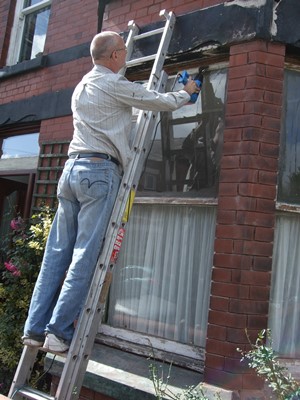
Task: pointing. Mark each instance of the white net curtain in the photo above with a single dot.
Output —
(161, 283)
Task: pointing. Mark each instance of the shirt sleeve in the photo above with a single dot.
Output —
(136, 95)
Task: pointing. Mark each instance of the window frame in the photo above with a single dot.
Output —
(16, 37)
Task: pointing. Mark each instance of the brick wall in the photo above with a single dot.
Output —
(7, 14)
(246, 211)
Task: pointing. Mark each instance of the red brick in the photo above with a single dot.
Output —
(241, 306)
(229, 161)
(252, 381)
(223, 379)
(257, 322)
(255, 219)
(267, 178)
(266, 206)
(236, 96)
(266, 58)
(223, 245)
(241, 148)
(256, 107)
(219, 303)
(235, 232)
(262, 264)
(216, 332)
(259, 293)
(264, 234)
(227, 319)
(225, 216)
(259, 162)
(236, 366)
(235, 261)
(243, 121)
(214, 361)
(257, 190)
(247, 47)
(221, 348)
(230, 189)
(241, 175)
(255, 278)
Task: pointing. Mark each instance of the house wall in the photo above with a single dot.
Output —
(246, 205)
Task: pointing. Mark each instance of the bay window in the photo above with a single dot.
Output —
(161, 283)
(284, 320)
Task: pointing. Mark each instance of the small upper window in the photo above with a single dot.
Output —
(29, 30)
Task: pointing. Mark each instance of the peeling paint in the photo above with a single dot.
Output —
(246, 3)
(274, 24)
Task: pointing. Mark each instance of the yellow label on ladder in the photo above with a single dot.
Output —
(128, 207)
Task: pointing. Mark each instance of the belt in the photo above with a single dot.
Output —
(98, 155)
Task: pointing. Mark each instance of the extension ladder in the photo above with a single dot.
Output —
(78, 355)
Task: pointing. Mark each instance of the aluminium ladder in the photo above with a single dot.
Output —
(82, 343)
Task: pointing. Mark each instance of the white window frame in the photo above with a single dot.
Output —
(18, 28)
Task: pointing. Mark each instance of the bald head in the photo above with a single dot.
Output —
(103, 44)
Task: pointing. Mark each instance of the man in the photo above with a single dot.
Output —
(102, 117)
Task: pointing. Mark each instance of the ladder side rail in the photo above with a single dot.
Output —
(83, 341)
(22, 375)
(165, 40)
(133, 32)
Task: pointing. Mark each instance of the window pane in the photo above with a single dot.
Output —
(162, 279)
(34, 36)
(284, 320)
(289, 174)
(186, 151)
(21, 146)
(28, 3)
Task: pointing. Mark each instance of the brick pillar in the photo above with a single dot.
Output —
(246, 211)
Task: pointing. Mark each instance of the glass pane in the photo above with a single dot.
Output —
(34, 36)
(185, 155)
(289, 174)
(284, 311)
(162, 279)
(28, 3)
(21, 146)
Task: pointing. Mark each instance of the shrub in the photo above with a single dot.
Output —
(21, 253)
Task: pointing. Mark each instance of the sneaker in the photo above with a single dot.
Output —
(28, 341)
(54, 344)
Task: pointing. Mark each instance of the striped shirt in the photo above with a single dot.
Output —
(102, 105)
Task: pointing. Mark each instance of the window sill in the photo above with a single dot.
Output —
(23, 67)
(121, 375)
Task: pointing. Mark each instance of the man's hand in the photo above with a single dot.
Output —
(191, 87)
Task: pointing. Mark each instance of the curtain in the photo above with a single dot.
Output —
(284, 312)
(161, 283)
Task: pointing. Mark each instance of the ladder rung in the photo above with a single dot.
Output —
(139, 60)
(149, 33)
(34, 394)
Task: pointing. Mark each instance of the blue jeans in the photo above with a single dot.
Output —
(86, 192)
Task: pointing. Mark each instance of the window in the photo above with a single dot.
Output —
(289, 174)
(161, 284)
(186, 151)
(29, 30)
(284, 311)
(20, 146)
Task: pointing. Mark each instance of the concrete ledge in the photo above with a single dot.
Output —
(118, 374)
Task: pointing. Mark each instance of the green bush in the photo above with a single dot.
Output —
(21, 255)
(263, 360)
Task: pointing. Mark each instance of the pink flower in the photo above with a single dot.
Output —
(17, 224)
(12, 268)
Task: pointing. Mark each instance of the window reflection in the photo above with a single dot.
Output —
(35, 29)
(20, 146)
(289, 174)
(185, 156)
